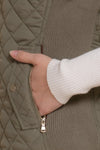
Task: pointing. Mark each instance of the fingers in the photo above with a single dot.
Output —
(24, 57)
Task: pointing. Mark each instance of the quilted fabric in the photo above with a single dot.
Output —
(21, 27)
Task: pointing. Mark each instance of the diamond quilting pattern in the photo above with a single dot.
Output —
(20, 26)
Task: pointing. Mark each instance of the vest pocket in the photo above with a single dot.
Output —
(44, 117)
(26, 115)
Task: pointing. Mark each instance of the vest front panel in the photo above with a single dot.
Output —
(21, 27)
(67, 31)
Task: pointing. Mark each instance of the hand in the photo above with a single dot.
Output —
(44, 99)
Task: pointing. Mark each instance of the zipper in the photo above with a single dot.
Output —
(44, 117)
(42, 121)
(43, 124)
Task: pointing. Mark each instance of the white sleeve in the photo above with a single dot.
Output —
(68, 77)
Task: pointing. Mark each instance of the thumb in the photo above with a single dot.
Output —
(23, 56)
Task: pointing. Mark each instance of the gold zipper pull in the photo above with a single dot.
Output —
(43, 124)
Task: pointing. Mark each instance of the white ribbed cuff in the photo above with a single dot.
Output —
(68, 77)
(56, 81)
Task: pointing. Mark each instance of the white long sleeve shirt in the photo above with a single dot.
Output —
(68, 77)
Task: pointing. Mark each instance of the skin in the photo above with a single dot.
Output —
(45, 101)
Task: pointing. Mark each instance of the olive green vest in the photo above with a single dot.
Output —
(59, 29)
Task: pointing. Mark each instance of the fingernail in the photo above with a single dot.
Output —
(13, 53)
